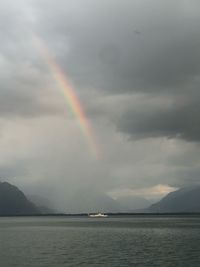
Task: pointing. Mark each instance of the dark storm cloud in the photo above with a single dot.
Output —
(106, 52)
(150, 47)
(135, 65)
(175, 122)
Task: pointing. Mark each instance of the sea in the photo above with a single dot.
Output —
(139, 240)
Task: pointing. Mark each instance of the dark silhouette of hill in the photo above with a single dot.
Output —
(14, 202)
(182, 200)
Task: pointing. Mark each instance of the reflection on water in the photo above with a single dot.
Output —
(114, 241)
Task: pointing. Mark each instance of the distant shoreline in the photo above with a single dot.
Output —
(109, 214)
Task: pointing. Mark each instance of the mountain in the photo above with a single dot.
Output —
(182, 200)
(132, 203)
(89, 201)
(14, 202)
(86, 201)
(44, 205)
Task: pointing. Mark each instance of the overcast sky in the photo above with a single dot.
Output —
(135, 66)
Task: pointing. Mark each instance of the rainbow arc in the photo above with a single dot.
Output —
(70, 95)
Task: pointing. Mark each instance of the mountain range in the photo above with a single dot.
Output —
(14, 202)
(182, 200)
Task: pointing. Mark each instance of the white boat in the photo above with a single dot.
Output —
(98, 215)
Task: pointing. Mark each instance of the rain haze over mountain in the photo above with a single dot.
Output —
(135, 67)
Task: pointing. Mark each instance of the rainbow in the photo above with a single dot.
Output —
(70, 96)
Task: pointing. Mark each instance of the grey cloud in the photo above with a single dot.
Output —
(18, 102)
(136, 67)
(23, 80)
(105, 52)
(97, 45)
(175, 122)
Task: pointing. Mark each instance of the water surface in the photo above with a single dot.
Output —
(113, 241)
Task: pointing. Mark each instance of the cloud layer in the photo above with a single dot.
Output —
(135, 66)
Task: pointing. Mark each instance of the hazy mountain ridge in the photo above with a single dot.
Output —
(14, 202)
(43, 204)
(182, 200)
(132, 203)
(85, 201)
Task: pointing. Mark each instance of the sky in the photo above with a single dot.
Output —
(134, 68)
